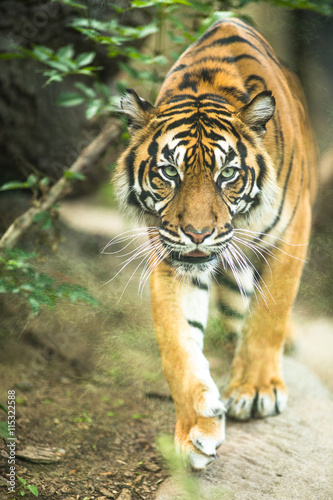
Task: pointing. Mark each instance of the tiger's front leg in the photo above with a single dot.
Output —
(256, 388)
(180, 315)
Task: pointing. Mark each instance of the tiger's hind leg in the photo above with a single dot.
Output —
(180, 315)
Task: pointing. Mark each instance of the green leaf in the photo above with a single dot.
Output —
(46, 224)
(45, 181)
(215, 16)
(103, 89)
(88, 91)
(23, 481)
(42, 298)
(4, 434)
(93, 108)
(32, 180)
(12, 55)
(41, 216)
(3, 408)
(77, 176)
(62, 66)
(74, 293)
(66, 52)
(139, 4)
(69, 99)
(85, 58)
(176, 38)
(14, 185)
(72, 3)
(34, 304)
(27, 287)
(42, 53)
(88, 70)
(33, 490)
(54, 77)
(47, 401)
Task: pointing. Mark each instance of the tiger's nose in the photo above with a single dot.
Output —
(197, 236)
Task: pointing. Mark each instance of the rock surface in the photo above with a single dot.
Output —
(286, 457)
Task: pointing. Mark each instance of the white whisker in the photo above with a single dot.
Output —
(137, 267)
(256, 276)
(131, 234)
(259, 235)
(256, 251)
(230, 261)
(140, 247)
(160, 254)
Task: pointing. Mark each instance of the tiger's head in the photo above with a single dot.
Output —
(195, 169)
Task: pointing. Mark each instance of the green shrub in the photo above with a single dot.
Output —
(20, 275)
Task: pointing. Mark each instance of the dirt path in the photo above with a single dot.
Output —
(78, 394)
(88, 381)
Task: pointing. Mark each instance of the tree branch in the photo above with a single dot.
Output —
(63, 186)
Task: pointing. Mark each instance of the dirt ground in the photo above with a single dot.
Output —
(88, 382)
(84, 380)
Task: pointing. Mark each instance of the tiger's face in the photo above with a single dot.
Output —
(196, 174)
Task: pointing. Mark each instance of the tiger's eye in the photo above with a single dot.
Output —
(170, 171)
(228, 172)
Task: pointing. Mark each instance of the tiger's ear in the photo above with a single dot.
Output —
(137, 110)
(258, 112)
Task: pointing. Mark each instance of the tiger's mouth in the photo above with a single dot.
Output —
(194, 257)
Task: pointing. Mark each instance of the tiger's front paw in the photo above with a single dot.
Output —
(198, 439)
(245, 401)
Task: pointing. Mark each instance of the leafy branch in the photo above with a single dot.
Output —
(62, 62)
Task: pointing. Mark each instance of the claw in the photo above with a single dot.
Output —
(247, 402)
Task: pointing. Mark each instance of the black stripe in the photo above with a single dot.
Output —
(285, 187)
(298, 199)
(196, 324)
(256, 79)
(212, 97)
(199, 284)
(189, 81)
(234, 59)
(209, 33)
(178, 110)
(178, 68)
(229, 311)
(281, 149)
(222, 60)
(234, 39)
(251, 31)
(225, 281)
(171, 233)
(178, 123)
(235, 92)
(129, 161)
(262, 170)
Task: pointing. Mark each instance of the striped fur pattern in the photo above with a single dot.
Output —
(221, 170)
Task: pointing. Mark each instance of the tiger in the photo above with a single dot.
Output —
(222, 170)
